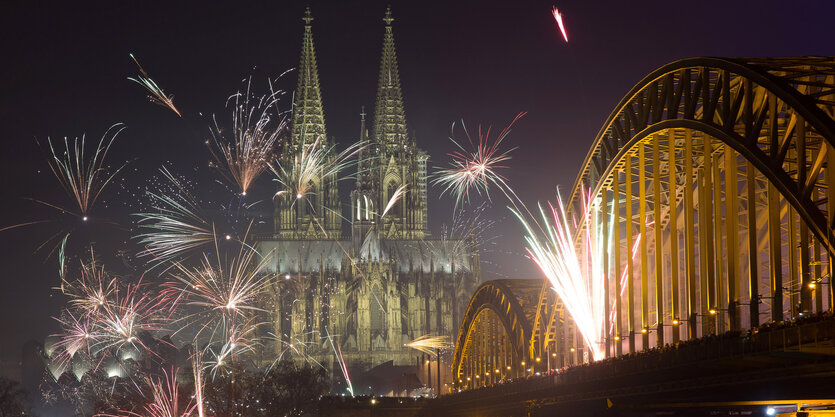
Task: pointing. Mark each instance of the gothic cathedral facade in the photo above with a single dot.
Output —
(366, 294)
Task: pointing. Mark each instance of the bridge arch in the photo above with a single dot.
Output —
(512, 327)
(753, 140)
(714, 182)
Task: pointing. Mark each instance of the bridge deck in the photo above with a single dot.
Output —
(774, 363)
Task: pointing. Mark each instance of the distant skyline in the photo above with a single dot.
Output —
(65, 69)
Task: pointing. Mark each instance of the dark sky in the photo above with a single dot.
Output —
(64, 68)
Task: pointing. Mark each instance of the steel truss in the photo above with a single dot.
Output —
(714, 172)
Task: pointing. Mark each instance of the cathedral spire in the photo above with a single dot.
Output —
(389, 117)
(308, 114)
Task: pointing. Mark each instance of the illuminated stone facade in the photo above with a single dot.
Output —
(389, 281)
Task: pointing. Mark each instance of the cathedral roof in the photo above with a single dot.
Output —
(309, 256)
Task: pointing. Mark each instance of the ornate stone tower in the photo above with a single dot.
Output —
(317, 214)
(367, 295)
(396, 159)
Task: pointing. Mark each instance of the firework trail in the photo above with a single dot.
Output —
(245, 156)
(558, 19)
(314, 161)
(430, 344)
(177, 227)
(62, 261)
(197, 371)
(337, 351)
(476, 166)
(83, 178)
(157, 95)
(395, 197)
(579, 279)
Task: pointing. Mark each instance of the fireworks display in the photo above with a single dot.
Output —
(578, 278)
(194, 281)
(430, 344)
(83, 177)
(157, 95)
(476, 166)
(560, 24)
(223, 292)
(314, 161)
(176, 227)
(395, 197)
(248, 153)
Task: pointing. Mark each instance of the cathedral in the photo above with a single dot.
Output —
(365, 294)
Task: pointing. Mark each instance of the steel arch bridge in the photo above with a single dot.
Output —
(712, 181)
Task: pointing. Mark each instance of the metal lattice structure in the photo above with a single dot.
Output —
(511, 328)
(712, 178)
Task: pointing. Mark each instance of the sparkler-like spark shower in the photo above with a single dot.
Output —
(157, 96)
(244, 157)
(430, 344)
(576, 275)
(83, 178)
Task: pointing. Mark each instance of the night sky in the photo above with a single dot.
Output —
(64, 69)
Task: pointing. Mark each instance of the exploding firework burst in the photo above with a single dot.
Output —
(575, 272)
(91, 293)
(244, 157)
(157, 96)
(477, 165)
(131, 311)
(224, 293)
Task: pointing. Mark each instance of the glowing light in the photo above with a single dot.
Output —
(558, 18)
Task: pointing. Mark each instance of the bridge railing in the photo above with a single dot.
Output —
(788, 337)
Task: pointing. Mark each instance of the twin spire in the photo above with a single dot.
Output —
(308, 121)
